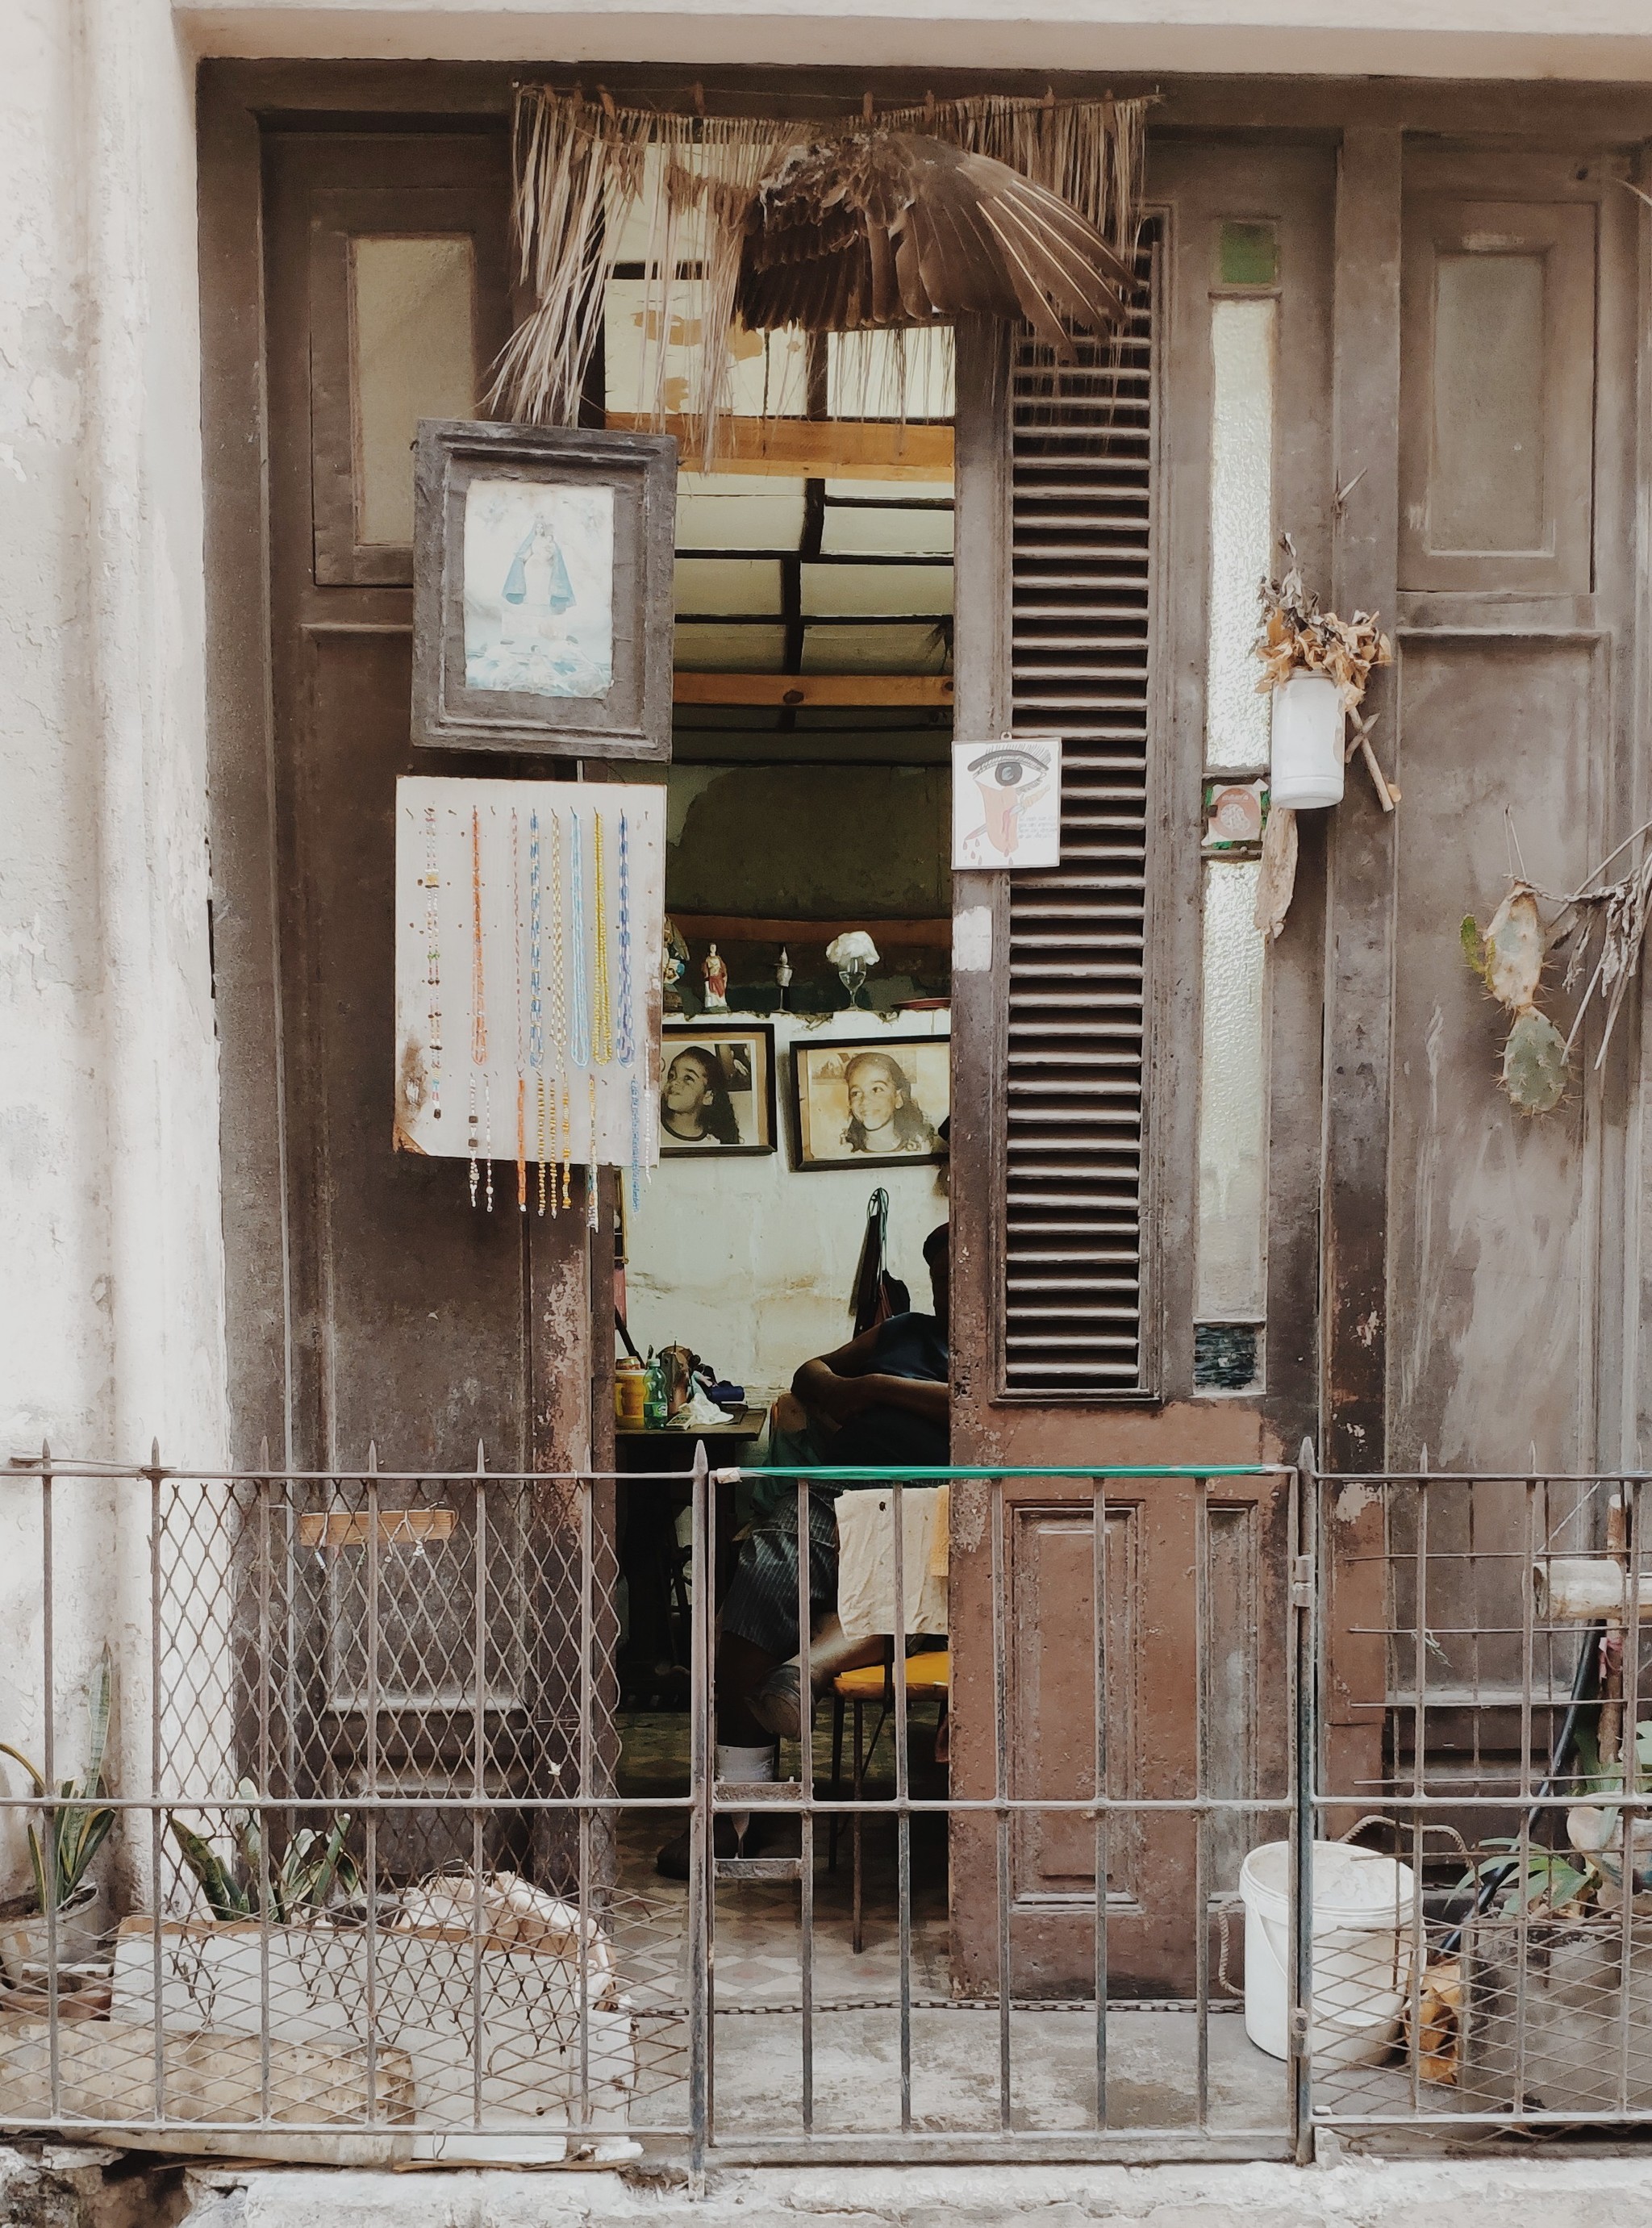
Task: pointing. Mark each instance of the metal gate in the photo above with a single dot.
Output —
(393, 1832)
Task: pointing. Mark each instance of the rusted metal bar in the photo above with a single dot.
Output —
(701, 1762)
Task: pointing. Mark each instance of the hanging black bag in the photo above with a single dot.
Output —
(877, 1295)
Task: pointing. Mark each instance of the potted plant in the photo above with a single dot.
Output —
(1551, 1967)
(61, 1859)
(300, 1880)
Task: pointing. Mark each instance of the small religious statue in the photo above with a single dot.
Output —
(783, 976)
(674, 965)
(715, 971)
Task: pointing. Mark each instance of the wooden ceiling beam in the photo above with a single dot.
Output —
(791, 688)
(826, 448)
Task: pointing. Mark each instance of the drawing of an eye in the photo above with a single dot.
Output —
(1010, 765)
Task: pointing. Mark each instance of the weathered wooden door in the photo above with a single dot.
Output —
(1137, 1095)
(407, 1322)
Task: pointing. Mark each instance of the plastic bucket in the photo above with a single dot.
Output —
(1306, 754)
(1361, 1937)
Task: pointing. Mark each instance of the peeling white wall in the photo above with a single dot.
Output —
(110, 1315)
(1610, 39)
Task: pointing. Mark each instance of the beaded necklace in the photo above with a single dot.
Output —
(516, 959)
(433, 963)
(536, 1004)
(602, 1049)
(626, 1041)
(578, 974)
(559, 1009)
(478, 1015)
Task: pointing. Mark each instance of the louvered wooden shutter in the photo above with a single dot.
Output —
(1081, 444)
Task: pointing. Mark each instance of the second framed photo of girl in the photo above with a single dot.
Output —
(717, 1095)
(871, 1105)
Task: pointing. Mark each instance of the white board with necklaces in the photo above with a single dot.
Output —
(529, 923)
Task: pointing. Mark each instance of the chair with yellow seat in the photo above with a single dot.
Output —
(928, 1673)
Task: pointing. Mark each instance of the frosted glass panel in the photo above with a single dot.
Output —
(1241, 528)
(1232, 1099)
(412, 339)
(1486, 485)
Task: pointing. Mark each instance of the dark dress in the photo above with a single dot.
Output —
(762, 1602)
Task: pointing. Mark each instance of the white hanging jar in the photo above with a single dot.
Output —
(1306, 754)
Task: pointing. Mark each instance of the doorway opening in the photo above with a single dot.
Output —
(803, 1114)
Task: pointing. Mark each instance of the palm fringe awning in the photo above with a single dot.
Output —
(873, 223)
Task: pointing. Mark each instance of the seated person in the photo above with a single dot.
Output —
(881, 1401)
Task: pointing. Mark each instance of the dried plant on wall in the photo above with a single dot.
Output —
(1510, 957)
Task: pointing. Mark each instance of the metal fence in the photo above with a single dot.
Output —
(385, 1761)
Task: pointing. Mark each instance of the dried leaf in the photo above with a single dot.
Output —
(1276, 881)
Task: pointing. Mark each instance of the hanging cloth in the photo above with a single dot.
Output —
(877, 1295)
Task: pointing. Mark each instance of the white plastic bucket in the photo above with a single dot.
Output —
(1362, 1936)
(1306, 754)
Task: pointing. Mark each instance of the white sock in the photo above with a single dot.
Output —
(744, 1766)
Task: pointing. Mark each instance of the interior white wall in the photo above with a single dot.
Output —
(110, 1318)
(749, 1260)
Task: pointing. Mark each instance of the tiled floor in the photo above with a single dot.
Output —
(1153, 2057)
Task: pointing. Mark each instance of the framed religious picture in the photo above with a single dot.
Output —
(543, 589)
(871, 1105)
(716, 1088)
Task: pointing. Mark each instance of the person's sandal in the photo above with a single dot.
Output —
(777, 1703)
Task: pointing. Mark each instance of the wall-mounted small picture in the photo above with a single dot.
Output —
(543, 589)
(1007, 802)
(871, 1105)
(717, 1089)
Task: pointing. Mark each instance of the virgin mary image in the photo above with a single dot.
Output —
(539, 567)
(537, 587)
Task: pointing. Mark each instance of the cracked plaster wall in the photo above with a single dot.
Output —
(109, 1287)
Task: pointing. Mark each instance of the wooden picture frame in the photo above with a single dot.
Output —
(916, 1097)
(543, 589)
(744, 1052)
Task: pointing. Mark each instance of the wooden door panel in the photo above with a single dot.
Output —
(415, 1319)
(1196, 1676)
(417, 1325)
(1197, 1624)
(1489, 1250)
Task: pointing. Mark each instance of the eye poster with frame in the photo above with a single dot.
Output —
(543, 589)
(1007, 802)
(876, 1103)
(716, 1089)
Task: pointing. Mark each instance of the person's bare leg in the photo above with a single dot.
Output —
(831, 1650)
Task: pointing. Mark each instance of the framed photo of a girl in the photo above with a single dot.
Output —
(871, 1105)
(716, 1089)
(542, 604)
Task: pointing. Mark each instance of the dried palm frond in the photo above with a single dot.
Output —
(582, 168)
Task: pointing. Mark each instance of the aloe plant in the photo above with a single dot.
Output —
(308, 1870)
(82, 1822)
